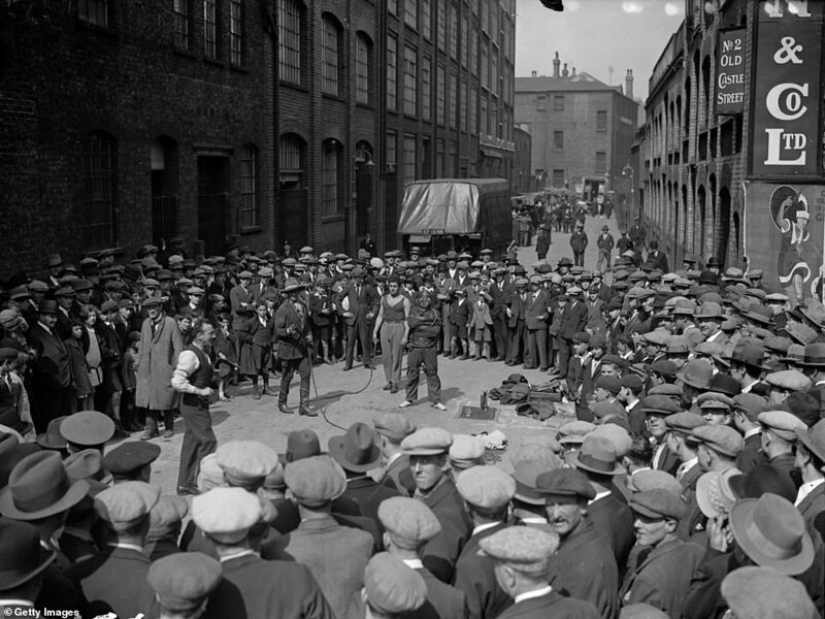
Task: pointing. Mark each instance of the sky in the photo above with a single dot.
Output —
(594, 35)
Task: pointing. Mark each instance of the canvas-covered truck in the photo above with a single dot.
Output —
(443, 214)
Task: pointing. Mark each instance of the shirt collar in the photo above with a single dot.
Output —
(125, 546)
(536, 593)
(484, 527)
(393, 458)
(806, 489)
(239, 554)
(599, 495)
(752, 432)
(415, 564)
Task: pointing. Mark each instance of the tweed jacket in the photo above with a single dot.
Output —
(441, 552)
(475, 576)
(551, 605)
(155, 361)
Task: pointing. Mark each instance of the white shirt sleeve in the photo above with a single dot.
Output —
(187, 365)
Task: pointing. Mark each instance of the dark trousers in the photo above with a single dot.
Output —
(198, 438)
(428, 357)
(537, 347)
(50, 404)
(290, 366)
(578, 258)
(360, 330)
(517, 342)
(500, 335)
(565, 348)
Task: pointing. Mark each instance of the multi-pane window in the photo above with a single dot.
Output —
(410, 80)
(558, 103)
(330, 178)
(289, 40)
(97, 220)
(484, 114)
(494, 71)
(210, 28)
(494, 8)
(452, 99)
(236, 32)
(473, 50)
(411, 13)
(484, 14)
(183, 28)
(409, 158)
(250, 208)
(427, 19)
(601, 120)
(439, 158)
(362, 69)
(558, 178)
(392, 147)
(462, 107)
(426, 88)
(95, 12)
(484, 69)
(392, 72)
(454, 32)
(473, 111)
(440, 93)
(392, 7)
(495, 129)
(601, 162)
(330, 61)
(290, 153)
(558, 140)
(464, 34)
(441, 25)
(541, 103)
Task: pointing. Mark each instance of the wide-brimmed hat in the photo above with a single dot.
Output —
(356, 450)
(714, 494)
(21, 558)
(748, 352)
(293, 285)
(771, 531)
(814, 356)
(814, 438)
(597, 455)
(697, 373)
(52, 438)
(39, 487)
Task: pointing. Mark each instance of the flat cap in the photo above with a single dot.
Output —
(246, 462)
(723, 439)
(183, 580)
(568, 482)
(466, 450)
(660, 405)
(790, 380)
(781, 423)
(750, 402)
(486, 487)
(574, 431)
(130, 457)
(658, 503)
(87, 428)
(617, 435)
(123, 505)
(168, 513)
(612, 384)
(528, 548)
(409, 521)
(152, 301)
(652, 479)
(226, 514)
(607, 408)
(764, 593)
(393, 587)
(394, 426)
(427, 442)
(315, 481)
(685, 422)
(642, 611)
(714, 400)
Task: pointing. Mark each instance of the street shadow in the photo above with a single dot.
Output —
(218, 416)
(451, 393)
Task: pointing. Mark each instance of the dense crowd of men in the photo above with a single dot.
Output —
(686, 481)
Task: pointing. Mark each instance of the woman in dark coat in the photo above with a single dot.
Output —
(256, 335)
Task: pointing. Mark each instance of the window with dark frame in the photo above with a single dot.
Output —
(601, 121)
(183, 26)
(330, 37)
(290, 18)
(97, 206)
(427, 19)
(250, 205)
(362, 69)
(210, 28)
(236, 43)
(558, 178)
(411, 13)
(330, 178)
(558, 103)
(601, 162)
(440, 94)
(392, 72)
(558, 140)
(95, 12)
(410, 80)
(426, 88)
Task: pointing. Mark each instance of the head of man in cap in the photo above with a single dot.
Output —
(246, 464)
(428, 449)
(763, 593)
(226, 516)
(125, 510)
(657, 513)
(810, 454)
(779, 438)
(717, 447)
(131, 461)
(182, 583)
(408, 525)
(566, 493)
(22, 562)
(391, 588)
(487, 492)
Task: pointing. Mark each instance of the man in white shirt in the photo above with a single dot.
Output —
(810, 460)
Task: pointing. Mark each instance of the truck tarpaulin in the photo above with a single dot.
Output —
(440, 208)
(785, 235)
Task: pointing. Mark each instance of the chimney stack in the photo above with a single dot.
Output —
(556, 65)
(628, 84)
(565, 72)
(534, 73)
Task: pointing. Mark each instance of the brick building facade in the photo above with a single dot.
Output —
(582, 129)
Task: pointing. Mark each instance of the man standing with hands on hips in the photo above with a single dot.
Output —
(192, 378)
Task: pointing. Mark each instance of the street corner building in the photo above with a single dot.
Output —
(731, 152)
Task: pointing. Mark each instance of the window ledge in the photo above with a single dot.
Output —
(326, 95)
(214, 61)
(329, 219)
(239, 68)
(107, 31)
(365, 106)
(251, 229)
(180, 51)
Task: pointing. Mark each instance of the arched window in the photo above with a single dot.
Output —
(97, 204)
(290, 40)
(292, 152)
(363, 58)
(331, 56)
(250, 204)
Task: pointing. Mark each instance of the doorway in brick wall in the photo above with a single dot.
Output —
(164, 165)
(213, 203)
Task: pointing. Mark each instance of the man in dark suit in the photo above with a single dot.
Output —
(746, 409)
(409, 525)
(392, 428)
(52, 376)
(536, 323)
(573, 320)
(428, 450)
(516, 310)
(522, 557)
(294, 344)
(252, 587)
(359, 305)
(500, 290)
(124, 510)
(658, 258)
(241, 296)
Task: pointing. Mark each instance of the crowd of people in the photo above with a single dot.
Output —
(690, 482)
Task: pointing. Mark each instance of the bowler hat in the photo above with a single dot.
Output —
(21, 558)
(748, 352)
(356, 450)
(39, 487)
(301, 444)
(48, 306)
(814, 356)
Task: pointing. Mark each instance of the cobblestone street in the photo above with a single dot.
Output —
(462, 382)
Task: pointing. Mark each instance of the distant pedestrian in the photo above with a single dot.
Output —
(606, 243)
(578, 243)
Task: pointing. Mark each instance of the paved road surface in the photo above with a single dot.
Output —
(462, 382)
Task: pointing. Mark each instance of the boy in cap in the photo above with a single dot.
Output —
(487, 492)
(182, 583)
(522, 557)
(662, 578)
(409, 525)
(428, 451)
(268, 588)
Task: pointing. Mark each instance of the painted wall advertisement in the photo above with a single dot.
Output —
(787, 91)
(785, 235)
(730, 72)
